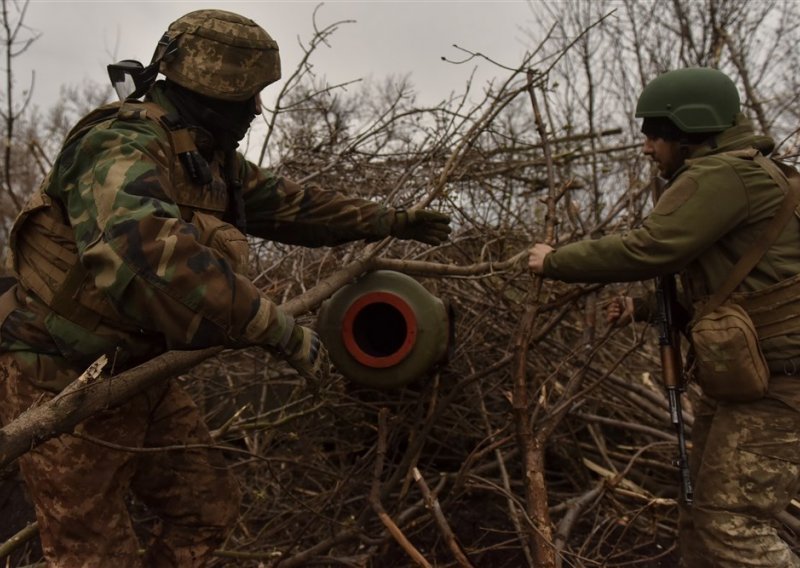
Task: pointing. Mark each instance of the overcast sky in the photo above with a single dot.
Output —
(401, 37)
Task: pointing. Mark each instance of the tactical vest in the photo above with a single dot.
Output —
(43, 253)
(774, 310)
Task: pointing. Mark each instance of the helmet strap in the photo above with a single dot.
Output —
(129, 71)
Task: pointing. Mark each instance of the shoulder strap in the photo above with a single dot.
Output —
(789, 182)
(183, 145)
(178, 133)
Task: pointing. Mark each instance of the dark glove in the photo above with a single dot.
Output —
(422, 225)
(307, 354)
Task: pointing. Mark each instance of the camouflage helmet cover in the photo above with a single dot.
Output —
(221, 55)
(695, 99)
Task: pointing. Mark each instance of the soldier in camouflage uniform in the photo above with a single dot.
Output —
(745, 457)
(135, 245)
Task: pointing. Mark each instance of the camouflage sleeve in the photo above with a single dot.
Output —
(147, 260)
(691, 215)
(283, 211)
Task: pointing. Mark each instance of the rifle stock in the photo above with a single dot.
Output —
(672, 365)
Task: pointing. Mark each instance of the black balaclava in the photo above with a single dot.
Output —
(227, 121)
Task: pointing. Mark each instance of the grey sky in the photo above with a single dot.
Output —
(387, 38)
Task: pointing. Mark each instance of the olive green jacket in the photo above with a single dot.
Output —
(709, 214)
(707, 217)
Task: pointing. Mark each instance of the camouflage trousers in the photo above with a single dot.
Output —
(80, 488)
(745, 464)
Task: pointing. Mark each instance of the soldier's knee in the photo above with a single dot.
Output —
(731, 540)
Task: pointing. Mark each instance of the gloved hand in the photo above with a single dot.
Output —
(307, 354)
(422, 225)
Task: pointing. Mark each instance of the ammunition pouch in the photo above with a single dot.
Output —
(754, 335)
(728, 362)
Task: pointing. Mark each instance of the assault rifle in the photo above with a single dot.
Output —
(671, 364)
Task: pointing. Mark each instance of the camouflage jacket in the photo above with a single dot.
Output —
(152, 264)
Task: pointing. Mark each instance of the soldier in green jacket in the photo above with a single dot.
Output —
(745, 457)
(134, 245)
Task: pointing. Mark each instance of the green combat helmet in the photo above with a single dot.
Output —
(219, 54)
(696, 99)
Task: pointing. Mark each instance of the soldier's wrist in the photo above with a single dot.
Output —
(271, 327)
(547, 264)
(399, 221)
(294, 341)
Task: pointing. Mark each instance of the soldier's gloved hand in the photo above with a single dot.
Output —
(424, 225)
(307, 354)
